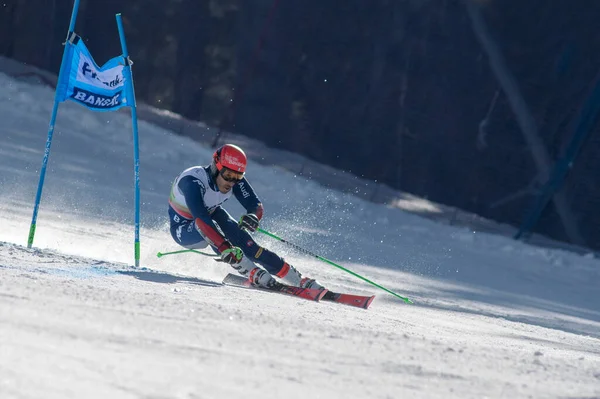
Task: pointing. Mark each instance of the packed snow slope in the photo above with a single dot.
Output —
(492, 317)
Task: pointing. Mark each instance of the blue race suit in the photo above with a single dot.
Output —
(197, 218)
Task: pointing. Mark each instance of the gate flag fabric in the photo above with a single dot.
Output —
(83, 81)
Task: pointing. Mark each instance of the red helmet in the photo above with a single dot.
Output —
(231, 157)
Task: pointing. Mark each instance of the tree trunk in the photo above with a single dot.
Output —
(7, 29)
(192, 39)
(523, 117)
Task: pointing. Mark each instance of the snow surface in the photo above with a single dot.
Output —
(493, 318)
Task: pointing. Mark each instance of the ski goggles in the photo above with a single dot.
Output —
(230, 176)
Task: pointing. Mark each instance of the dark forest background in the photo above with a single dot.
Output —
(398, 91)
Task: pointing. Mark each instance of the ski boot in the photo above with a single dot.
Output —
(261, 278)
(255, 274)
(291, 276)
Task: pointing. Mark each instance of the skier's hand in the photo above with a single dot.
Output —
(232, 255)
(249, 222)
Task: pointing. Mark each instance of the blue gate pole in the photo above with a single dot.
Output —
(130, 94)
(584, 125)
(38, 196)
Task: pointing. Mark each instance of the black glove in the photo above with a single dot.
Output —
(230, 254)
(249, 222)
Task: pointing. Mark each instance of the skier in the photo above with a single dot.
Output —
(198, 220)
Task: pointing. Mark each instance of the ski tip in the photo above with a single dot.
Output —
(369, 301)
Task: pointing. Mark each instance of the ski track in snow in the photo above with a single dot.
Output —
(492, 318)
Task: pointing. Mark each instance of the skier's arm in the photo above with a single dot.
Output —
(193, 190)
(245, 194)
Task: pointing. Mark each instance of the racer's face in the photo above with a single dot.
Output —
(228, 178)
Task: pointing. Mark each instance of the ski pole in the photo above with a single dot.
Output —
(160, 254)
(333, 264)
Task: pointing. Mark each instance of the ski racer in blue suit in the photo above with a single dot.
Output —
(198, 219)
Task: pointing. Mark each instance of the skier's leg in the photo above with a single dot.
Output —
(240, 238)
(184, 232)
(272, 262)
